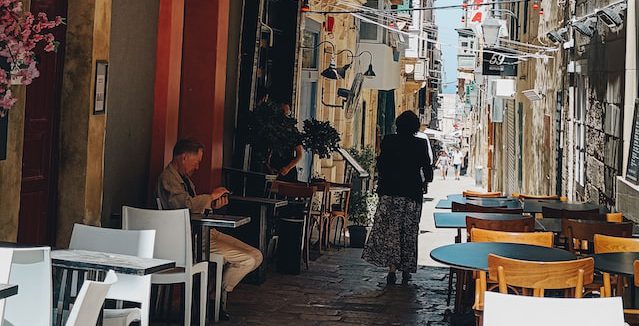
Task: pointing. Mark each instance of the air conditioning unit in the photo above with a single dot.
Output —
(532, 95)
(504, 88)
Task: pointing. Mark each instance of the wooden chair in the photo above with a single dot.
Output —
(499, 209)
(524, 224)
(539, 276)
(614, 217)
(478, 194)
(590, 214)
(634, 312)
(580, 233)
(304, 194)
(540, 197)
(606, 292)
(339, 212)
(543, 239)
(461, 207)
(607, 244)
(533, 275)
(320, 212)
(549, 212)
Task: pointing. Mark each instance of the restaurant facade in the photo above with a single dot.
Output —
(188, 68)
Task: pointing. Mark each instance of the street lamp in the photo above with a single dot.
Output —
(369, 72)
(490, 29)
(330, 72)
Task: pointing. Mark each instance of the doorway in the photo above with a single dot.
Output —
(39, 162)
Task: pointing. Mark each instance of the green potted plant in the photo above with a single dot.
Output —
(269, 131)
(319, 138)
(361, 209)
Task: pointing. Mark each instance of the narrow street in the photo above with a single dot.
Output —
(341, 289)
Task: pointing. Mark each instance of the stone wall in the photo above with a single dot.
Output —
(602, 60)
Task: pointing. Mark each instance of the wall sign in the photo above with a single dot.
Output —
(632, 172)
(100, 91)
(496, 63)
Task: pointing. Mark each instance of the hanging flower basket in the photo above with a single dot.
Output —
(20, 33)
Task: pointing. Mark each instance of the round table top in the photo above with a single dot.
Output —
(474, 255)
(616, 262)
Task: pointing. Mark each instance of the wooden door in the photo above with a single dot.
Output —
(39, 170)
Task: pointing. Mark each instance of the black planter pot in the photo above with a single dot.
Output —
(357, 235)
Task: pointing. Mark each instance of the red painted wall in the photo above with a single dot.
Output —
(203, 84)
(190, 84)
(167, 87)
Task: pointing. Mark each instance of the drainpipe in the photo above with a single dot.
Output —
(631, 79)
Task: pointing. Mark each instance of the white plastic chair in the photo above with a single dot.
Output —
(219, 270)
(507, 310)
(132, 288)
(89, 302)
(6, 254)
(173, 234)
(31, 271)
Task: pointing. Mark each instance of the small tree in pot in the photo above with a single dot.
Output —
(319, 138)
(361, 209)
(269, 131)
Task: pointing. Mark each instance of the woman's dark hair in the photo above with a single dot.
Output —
(188, 145)
(407, 123)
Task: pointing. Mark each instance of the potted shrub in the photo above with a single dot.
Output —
(319, 138)
(361, 210)
(269, 131)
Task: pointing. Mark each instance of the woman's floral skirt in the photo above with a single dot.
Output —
(393, 239)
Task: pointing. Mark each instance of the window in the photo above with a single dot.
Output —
(310, 52)
(369, 31)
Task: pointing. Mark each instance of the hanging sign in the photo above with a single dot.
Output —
(495, 62)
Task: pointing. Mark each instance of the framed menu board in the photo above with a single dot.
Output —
(632, 173)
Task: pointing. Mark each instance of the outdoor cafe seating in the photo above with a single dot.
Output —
(519, 253)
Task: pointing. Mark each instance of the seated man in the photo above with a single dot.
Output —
(176, 190)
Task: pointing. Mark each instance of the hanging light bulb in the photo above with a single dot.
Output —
(541, 12)
(463, 20)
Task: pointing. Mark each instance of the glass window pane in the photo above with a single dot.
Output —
(309, 52)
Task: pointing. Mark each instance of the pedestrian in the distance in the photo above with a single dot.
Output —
(458, 162)
(393, 239)
(442, 163)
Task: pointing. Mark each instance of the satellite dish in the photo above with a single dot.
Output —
(351, 97)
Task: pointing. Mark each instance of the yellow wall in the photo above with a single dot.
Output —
(82, 133)
(11, 170)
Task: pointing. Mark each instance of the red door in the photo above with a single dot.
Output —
(39, 171)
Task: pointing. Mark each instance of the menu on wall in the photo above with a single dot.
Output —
(632, 173)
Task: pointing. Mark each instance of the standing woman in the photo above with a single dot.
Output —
(442, 163)
(393, 239)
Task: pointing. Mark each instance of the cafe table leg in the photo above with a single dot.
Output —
(63, 296)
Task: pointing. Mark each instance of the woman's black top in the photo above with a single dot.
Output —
(400, 165)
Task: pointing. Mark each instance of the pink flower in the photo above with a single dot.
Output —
(20, 32)
(50, 47)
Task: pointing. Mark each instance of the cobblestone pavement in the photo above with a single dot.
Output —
(341, 289)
